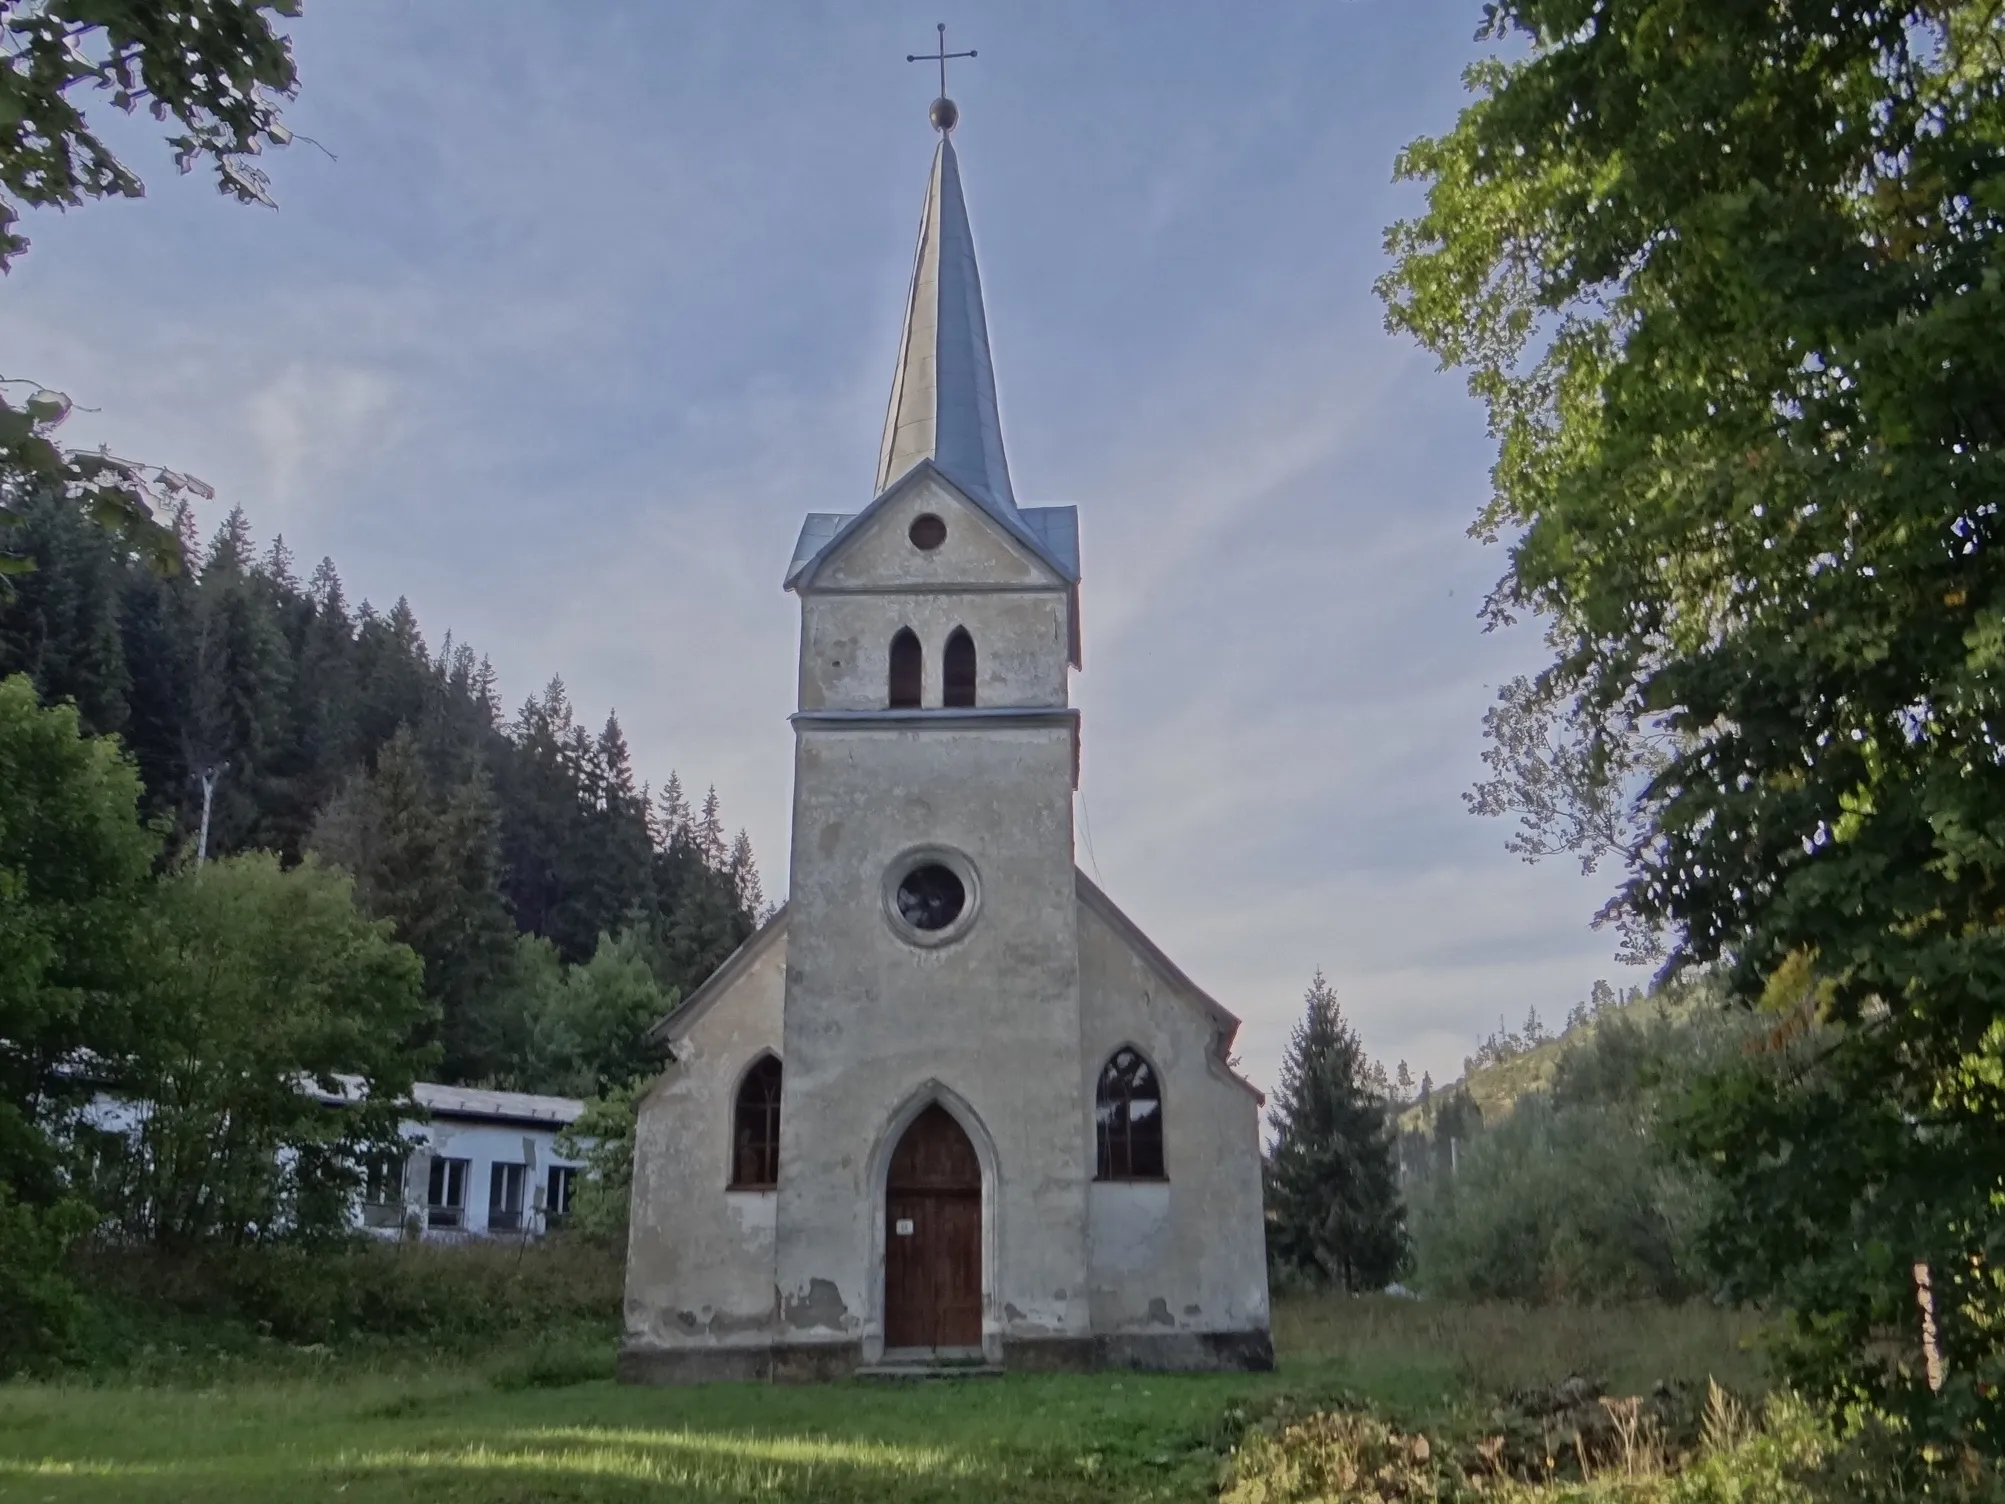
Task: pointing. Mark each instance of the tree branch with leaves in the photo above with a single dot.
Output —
(1728, 279)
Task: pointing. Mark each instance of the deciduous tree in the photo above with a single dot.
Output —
(1729, 280)
(274, 1061)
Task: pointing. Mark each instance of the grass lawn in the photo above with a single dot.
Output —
(544, 1426)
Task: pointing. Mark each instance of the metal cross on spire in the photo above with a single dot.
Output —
(943, 114)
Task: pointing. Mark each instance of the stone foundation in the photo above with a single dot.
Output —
(1186, 1352)
(694, 1365)
(820, 1362)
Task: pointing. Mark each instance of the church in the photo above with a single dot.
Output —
(950, 1108)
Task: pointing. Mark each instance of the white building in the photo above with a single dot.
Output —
(484, 1163)
(480, 1163)
(950, 1104)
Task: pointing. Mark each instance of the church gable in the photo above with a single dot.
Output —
(1102, 921)
(890, 546)
(755, 968)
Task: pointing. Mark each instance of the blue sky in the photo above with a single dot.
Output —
(590, 303)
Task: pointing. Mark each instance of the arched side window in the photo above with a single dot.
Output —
(755, 1128)
(908, 669)
(957, 664)
(1128, 1119)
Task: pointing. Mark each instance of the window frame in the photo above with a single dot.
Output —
(1115, 1143)
(385, 1189)
(905, 671)
(455, 1172)
(755, 1162)
(956, 692)
(502, 1217)
(560, 1191)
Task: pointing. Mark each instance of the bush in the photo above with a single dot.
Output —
(41, 1311)
(1574, 1195)
(1584, 1450)
(603, 1139)
(360, 1293)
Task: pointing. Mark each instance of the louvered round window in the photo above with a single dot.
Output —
(931, 895)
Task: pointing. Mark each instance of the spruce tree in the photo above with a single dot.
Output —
(59, 623)
(242, 674)
(744, 869)
(1334, 1213)
(431, 867)
(710, 832)
(621, 874)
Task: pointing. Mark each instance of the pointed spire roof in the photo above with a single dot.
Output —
(943, 396)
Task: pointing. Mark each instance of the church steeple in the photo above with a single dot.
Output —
(943, 395)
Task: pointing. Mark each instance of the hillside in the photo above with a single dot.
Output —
(1496, 1085)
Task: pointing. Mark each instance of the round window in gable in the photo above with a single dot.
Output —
(927, 532)
(930, 896)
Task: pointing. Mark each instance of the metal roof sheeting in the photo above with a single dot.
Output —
(943, 394)
(513, 1106)
(464, 1101)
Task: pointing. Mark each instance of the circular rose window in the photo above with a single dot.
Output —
(930, 896)
(927, 532)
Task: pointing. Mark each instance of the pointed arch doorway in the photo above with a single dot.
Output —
(933, 1237)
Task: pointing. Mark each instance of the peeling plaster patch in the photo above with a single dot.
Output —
(1159, 1313)
(822, 1306)
(831, 837)
(1012, 1312)
(720, 1323)
(1193, 1310)
(1059, 1293)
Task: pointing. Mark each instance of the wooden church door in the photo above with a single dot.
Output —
(933, 1237)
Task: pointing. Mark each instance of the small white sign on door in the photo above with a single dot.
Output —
(904, 1227)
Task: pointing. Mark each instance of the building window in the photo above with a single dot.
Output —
(557, 1195)
(927, 532)
(908, 669)
(504, 1198)
(1128, 1119)
(931, 895)
(755, 1128)
(445, 1202)
(957, 664)
(383, 1190)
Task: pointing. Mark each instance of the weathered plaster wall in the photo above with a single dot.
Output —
(872, 1020)
(700, 1259)
(1013, 607)
(1188, 1254)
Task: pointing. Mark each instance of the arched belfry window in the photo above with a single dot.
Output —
(957, 665)
(755, 1128)
(1128, 1118)
(908, 669)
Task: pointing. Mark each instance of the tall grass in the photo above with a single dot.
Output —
(166, 1317)
(1495, 1348)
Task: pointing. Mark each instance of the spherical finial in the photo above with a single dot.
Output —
(944, 114)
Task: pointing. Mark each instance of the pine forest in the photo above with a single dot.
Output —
(554, 901)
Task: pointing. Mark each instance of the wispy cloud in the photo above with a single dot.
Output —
(582, 320)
